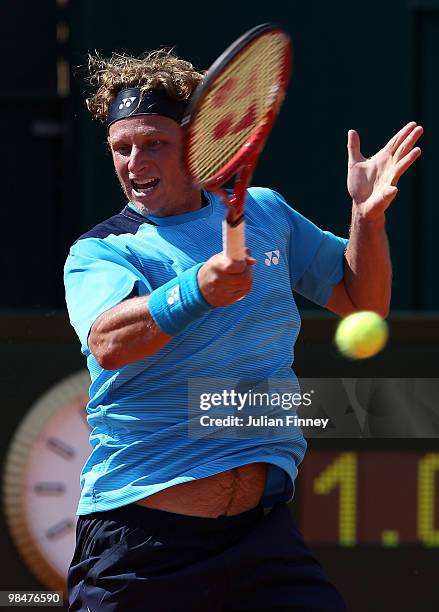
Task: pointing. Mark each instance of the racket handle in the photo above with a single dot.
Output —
(234, 240)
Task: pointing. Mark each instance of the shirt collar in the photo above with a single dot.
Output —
(204, 211)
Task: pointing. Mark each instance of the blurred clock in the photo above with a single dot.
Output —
(41, 479)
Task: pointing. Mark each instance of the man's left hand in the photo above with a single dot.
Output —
(372, 182)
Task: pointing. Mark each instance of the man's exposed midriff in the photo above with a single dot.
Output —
(224, 494)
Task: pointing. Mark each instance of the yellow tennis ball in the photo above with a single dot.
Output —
(361, 335)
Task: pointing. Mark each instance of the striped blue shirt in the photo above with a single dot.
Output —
(140, 414)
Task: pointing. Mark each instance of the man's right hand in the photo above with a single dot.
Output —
(223, 281)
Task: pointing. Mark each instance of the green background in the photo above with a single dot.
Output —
(369, 66)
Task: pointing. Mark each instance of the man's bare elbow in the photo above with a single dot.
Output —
(110, 354)
(103, 351)
(102, 357)
(342, 304)
(113, 349)
(380, 310)
(383, 311)
(107, 361)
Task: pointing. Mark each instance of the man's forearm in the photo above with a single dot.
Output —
(368, 269)
(126, 333)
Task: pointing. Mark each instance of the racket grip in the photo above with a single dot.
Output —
(234, 240)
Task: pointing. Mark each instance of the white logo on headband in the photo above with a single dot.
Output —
(126, 102)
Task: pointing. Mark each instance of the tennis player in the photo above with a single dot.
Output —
(175, 517)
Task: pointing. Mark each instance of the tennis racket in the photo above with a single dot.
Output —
(229, 117)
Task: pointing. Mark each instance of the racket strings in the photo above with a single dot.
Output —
(239, 101)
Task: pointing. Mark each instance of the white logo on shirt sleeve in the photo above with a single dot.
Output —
(173, 295)
(272, 257)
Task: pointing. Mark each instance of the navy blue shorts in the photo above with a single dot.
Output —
(133, 559)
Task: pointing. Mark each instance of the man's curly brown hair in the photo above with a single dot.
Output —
(160, 69)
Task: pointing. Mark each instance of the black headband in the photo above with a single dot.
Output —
(130, 102)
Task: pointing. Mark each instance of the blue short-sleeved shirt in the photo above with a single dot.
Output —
(139, 413)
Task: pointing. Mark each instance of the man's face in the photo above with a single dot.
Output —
(148, 157)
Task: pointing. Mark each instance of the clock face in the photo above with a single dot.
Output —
(42, 478)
